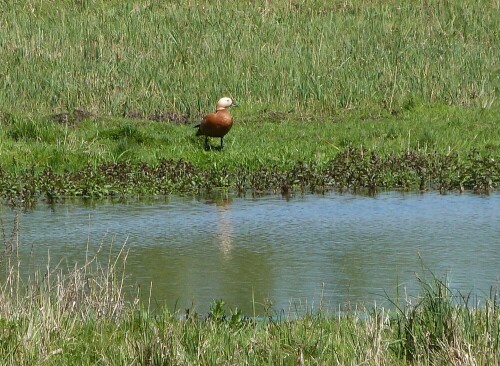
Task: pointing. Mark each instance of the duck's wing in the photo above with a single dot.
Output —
(205, 125)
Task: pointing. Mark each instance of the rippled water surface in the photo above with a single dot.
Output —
(333, 249)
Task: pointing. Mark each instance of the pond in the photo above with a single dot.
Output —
(272, 253)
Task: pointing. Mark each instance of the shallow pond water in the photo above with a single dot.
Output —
(270, 252)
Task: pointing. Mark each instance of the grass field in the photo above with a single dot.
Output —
(99, 82)
(88, 84)
(430, 147)
(316, 57)
(276, 140)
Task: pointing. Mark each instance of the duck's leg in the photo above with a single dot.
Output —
(221, 143)
(207, 146)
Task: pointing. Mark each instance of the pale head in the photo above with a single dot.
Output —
(225, 102)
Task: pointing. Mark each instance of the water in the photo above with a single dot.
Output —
(334, 250)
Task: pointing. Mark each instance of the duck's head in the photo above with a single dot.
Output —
(225, 102)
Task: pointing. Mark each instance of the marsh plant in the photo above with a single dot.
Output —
(353, 169)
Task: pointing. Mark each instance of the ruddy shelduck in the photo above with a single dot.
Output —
(217, 124)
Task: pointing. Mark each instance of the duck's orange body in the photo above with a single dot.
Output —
(217, 124)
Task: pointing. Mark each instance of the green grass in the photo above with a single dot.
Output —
(252, 142)
(92, 83)
(315, 57)
(431, 147)
(83, 315)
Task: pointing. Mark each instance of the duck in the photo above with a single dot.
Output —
(218, 123)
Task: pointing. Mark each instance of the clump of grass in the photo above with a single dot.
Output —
(47, 311)
(441, 326)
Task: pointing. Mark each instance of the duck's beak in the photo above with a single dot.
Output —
(234, 104)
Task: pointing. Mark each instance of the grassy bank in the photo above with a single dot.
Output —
(82, 316)
(97, 98)
(442, 148)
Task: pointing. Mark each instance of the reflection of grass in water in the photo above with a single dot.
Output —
(80, 316)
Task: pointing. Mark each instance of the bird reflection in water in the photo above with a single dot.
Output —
(224, 226)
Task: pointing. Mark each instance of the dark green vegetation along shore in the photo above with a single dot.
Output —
(97, 98)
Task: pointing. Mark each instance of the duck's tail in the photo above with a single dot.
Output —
(198, 132)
